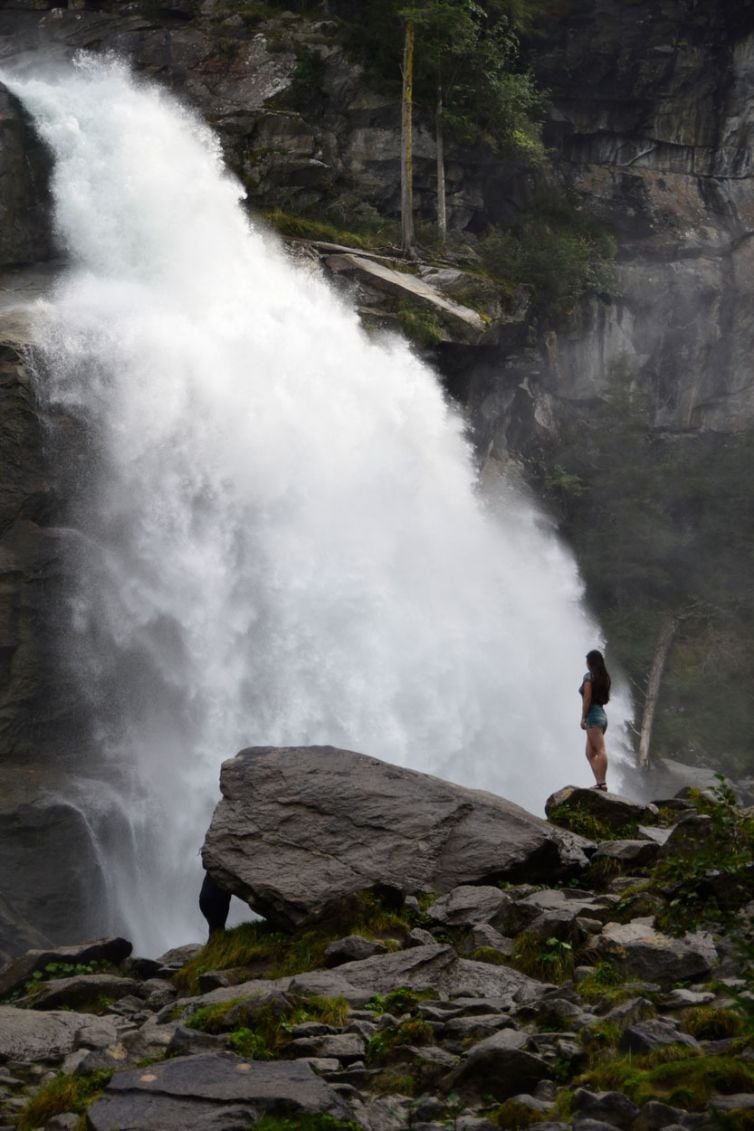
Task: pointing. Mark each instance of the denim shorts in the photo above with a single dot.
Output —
(597, 718)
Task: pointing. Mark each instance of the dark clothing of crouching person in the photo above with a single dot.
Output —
(214, 904)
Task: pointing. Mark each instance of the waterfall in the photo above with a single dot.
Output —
(283, 537)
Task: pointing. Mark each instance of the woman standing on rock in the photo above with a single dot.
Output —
(595, 693)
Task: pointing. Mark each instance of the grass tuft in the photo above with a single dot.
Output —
(62, 1094)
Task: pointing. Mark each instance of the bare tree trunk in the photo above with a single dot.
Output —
(407, 174)
(662, 649)
(442, 212)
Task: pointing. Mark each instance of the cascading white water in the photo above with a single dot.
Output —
(284, 539)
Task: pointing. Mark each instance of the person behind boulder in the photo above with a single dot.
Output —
(214, 904)
(595, 693)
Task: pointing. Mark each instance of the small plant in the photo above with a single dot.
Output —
(251, 1045)
(551, 959)
(260, 1033)
(61, 1094)
(390, 1041)
(402, 1000)
(421, 326)
(572, 817)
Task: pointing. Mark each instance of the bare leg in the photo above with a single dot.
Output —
(596, 753)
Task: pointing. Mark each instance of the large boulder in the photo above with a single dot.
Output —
(38, 1037)
(301, 828)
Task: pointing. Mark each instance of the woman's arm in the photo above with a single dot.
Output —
(586, 702)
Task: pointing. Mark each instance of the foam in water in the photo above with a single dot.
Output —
(285, 541)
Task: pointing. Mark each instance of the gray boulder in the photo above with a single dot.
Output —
(617, 813)
(82, 991)
(299, 829)
(351, 949)
(611, 1107)
(639, 950)
(654, 1033)
(210, 1091)
(38, 1037)
(499, 1066)
(467, 905)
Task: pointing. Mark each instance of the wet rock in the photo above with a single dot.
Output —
(353, 823)
(19, 970)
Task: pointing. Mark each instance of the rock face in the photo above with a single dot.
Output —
(25, 235)
(658, 145)
(301, 828)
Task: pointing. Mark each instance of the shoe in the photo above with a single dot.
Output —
(601, 785)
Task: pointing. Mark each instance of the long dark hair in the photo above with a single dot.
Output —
(600, 677)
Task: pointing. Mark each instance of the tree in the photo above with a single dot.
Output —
(464, 64)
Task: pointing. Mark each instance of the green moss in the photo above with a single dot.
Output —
(399, 1001)
(712, 1023)
(570, 816)
(675, 1075)
(303, 1122)
(513, 1115)
(391, 1041)
(551, 960)
(63, 1093)
(393, 1084)
(261, 1033)
(421, 325)
(365, 235)
(489, 954)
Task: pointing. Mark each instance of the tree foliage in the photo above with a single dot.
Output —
(471, 50)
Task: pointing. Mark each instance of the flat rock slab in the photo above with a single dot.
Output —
(29, 1036)
(301, 828)
(211, 1092)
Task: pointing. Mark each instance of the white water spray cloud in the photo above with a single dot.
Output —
(286, 540)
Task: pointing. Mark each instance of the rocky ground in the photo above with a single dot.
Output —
(617, 997)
